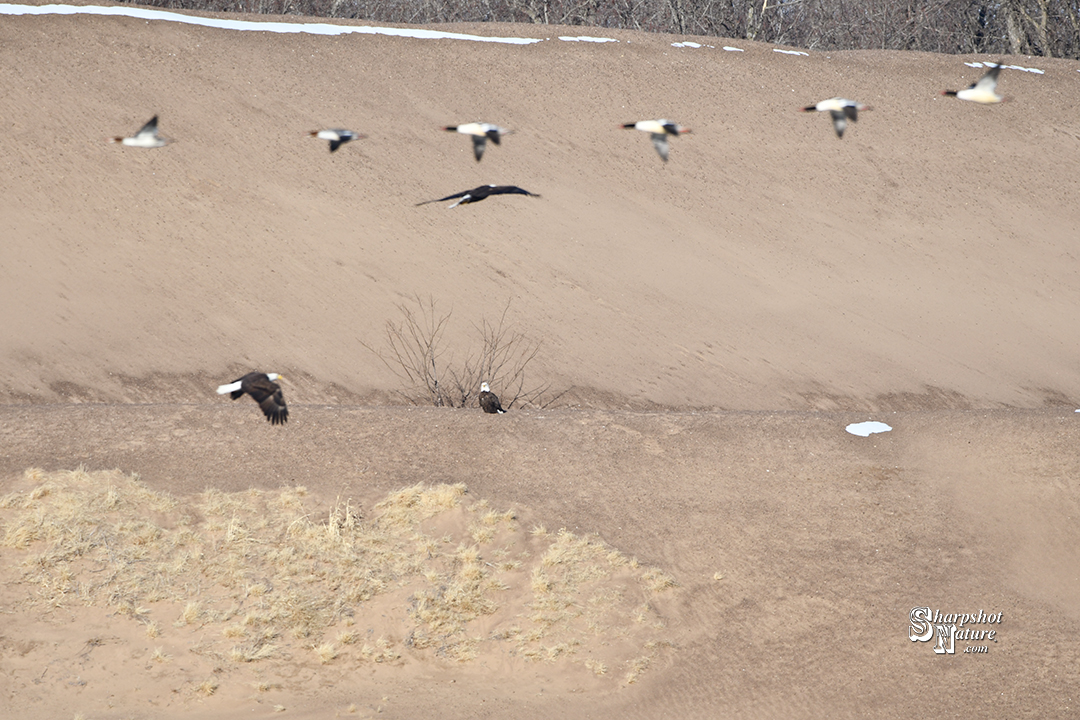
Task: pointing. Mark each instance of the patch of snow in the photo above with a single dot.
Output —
(1037, 71)
(586, 38)
(791, 52)
(278, 27)
(686, 44)
(865, 429)
(733, 49)
(1006, 67)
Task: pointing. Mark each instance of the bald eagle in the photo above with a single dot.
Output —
(480, 193)
(263, 390)
(489, 401)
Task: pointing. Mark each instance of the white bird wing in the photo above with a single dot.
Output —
(660, 142)
(149, 129)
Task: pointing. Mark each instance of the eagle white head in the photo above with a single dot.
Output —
(273, 376)
(484, 387)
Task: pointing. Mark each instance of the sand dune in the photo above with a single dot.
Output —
(926, 258)
(716, 321)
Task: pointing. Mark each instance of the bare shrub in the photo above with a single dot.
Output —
(417, 352)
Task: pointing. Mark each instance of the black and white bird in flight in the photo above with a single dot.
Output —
(983, 91)
(336, 136)
(659, 131)
(147, 137)
(841, 110)
(477, 194)
(263, 390)
(480, 133)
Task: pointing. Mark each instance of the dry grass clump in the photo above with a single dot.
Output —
(270, 577)
(583, 590)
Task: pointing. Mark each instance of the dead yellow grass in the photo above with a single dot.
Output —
(268, 577)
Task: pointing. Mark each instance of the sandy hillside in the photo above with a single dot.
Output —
(714, 323)
(928, 257)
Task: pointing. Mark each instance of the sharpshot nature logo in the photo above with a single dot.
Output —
(927, 625)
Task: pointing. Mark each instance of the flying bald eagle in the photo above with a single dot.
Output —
(489, 401)
(478, 194)
(263, 390)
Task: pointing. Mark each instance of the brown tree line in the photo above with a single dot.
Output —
(1049, 28)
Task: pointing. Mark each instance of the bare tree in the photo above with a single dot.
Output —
(1036, 27)
(417, 352)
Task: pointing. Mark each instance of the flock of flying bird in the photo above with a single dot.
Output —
(263, 389)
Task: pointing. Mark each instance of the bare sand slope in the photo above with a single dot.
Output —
(926, 259)
(823, 542)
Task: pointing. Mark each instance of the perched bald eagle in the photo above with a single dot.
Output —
(263, 390)
(489, 401)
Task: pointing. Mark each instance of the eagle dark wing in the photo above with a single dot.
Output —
(493, 135)
(660, 142)
(335, 144)
(273, 407)
(463, 193)
(507, 189)
(267, 393)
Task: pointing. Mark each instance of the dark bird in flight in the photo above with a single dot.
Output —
(336, 136)
(147, 137)
(841, 110)
(263, 390)
(489, 401)
(481, 133)
(983, 91)
(658, 130)
(478, 194)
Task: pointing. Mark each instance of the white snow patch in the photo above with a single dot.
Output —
(686, 44)
(733, 49)
(278, 27)
(586, 38)
(1037, 71)
(865, 429)
(791, 52)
